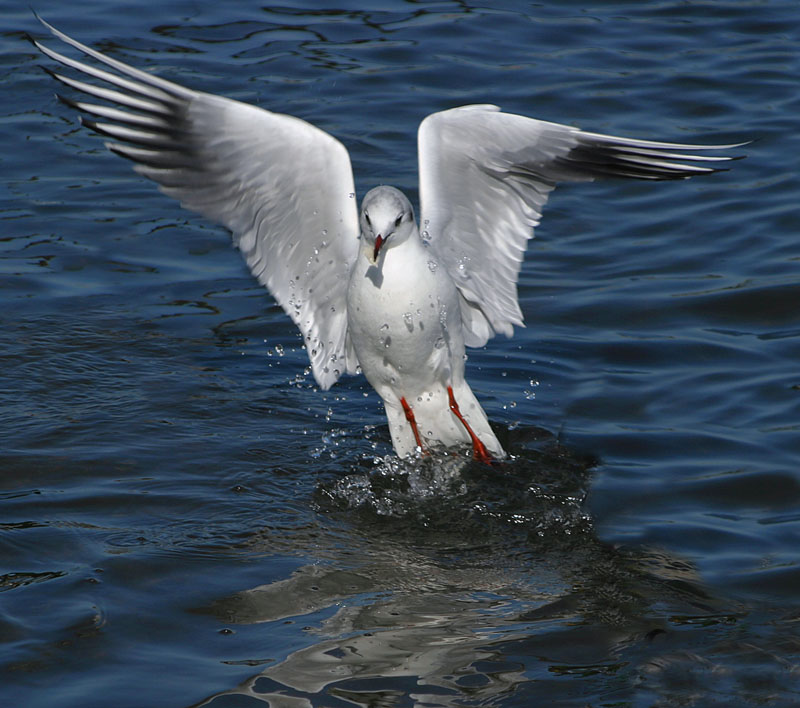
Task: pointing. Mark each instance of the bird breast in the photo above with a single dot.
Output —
(404, 320)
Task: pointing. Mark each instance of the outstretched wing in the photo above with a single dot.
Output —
(484, 177)
(282, 186)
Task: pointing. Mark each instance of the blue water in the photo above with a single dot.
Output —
(186, 520)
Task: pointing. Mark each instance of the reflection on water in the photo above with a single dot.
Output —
(455, 584)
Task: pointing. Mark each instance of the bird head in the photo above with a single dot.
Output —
(387, 220)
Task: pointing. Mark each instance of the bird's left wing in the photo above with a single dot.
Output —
(283, 187)
(484, 177)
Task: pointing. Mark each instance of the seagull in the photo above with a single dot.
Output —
(368, 289)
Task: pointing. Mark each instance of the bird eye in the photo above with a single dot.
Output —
(366, 216)
(398, 220)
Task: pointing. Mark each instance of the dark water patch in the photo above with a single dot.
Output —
(11, 581)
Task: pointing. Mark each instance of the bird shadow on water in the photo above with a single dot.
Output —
(448, 582)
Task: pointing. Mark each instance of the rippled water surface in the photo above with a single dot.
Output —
(186, 520)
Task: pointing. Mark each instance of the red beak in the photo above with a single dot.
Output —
(378, 243)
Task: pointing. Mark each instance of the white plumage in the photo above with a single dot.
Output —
(367, 289)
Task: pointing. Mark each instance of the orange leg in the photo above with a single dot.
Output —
(479, 451)
(412, 421)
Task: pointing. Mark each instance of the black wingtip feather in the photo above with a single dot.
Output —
(52, 74)
(68, 102)
(172, 160)
(615, 161)
(154, 140)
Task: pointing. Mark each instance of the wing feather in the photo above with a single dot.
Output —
(485, 177)
(283, 187)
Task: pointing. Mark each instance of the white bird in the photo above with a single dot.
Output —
(369, 291)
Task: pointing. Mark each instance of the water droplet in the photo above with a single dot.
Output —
(432, 266)
(279, 349)
(384, 326)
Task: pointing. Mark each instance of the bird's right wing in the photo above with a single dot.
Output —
(282, 186)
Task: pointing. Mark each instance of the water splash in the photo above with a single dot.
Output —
(539, 492)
